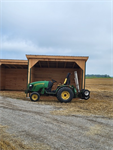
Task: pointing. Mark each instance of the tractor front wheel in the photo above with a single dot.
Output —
(65, 95)
(35, 96)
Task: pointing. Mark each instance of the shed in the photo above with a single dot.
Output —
(13, 74)
(42, 67)
(16, 74)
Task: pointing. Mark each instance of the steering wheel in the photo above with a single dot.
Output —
(53, 81)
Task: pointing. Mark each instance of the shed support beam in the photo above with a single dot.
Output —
(40, 64)
(65, 65)
(56, 64)
(14, 66)
(74, 65)
(31, 63)
(48, 64)
(21, 67)
(8, 66)
(81, 64)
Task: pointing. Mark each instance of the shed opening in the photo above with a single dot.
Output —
(57, 70)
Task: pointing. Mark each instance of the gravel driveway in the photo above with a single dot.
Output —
(34, 123)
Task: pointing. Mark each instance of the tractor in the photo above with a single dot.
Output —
(64, 92)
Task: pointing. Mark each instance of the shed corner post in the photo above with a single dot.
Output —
(31, 63)
(28, 78)
(28, 75)
(85, 75)
(81, 64)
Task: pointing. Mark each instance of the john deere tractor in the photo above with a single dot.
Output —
(64, 92)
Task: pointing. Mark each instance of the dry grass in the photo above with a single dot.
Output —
(9, 142)
(100, 103)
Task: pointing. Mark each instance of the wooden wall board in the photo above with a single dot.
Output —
(15, 79)
(2, 77)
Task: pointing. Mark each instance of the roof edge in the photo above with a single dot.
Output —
(57, 57)
(13, 61)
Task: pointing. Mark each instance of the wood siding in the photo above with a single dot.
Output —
(2, 77)
(15, 79)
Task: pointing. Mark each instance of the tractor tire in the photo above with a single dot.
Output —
(86, 97)
(35, 96)
(65, 95)
(84, 94)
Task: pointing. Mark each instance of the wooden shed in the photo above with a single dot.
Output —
(13, 74)
(56, 67)
(16, 74)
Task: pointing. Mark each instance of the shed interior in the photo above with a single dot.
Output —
(13, 76)
(48, 70)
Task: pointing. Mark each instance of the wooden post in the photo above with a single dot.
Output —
(31, 63)
(81, 64)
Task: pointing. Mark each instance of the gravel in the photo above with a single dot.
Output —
(34, 123)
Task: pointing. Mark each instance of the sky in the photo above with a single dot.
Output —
(59, 27)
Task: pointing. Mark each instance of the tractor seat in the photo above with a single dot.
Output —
(50, 84)
(67, 79)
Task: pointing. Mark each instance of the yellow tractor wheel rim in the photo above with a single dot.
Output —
(34, 97)
(65, 95)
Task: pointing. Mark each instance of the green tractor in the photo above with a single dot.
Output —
(64, 92)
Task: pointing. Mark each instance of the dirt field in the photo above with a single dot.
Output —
(100, 103)
(48, 124)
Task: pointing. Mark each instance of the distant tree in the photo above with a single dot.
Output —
(97, 76)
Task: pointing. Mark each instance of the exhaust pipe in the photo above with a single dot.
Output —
(76, 81)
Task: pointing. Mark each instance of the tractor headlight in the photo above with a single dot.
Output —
(30, 86)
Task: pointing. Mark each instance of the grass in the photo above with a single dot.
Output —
(93, 106)
(9, 142)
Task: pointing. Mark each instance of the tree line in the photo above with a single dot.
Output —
(97, 76)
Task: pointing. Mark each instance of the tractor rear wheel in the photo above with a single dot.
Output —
(35, 96)
(65, 95)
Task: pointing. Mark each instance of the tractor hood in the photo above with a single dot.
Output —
(38, 83)
(36, 86)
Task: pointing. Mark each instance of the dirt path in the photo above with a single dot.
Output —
(34, 123)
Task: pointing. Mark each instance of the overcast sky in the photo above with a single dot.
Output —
(58, 27)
